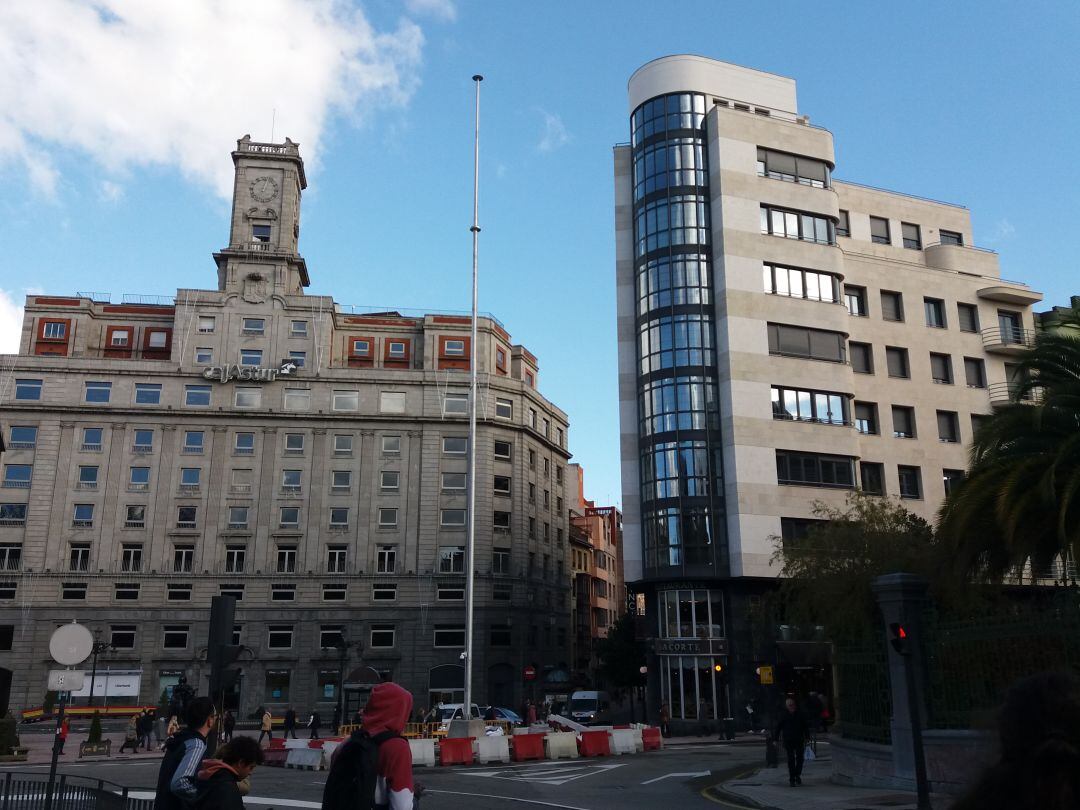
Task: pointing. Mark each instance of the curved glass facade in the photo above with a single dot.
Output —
(679, 441)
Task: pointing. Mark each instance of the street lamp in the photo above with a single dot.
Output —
(99, 647)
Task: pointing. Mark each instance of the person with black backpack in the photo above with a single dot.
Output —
(373, 768)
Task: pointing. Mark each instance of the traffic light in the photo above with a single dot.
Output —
(899, 638)
(718, 668)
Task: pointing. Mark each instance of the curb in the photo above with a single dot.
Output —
(718, 795)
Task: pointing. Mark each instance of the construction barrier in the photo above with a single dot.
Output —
(307, 758)
(277, 744)
(625, 740)
(290, 744)
(594, 743)
(560, 745)
(493, 748)
(528, 746)
(651, 739)
(275, 757)
(423, 751)
(456, 751)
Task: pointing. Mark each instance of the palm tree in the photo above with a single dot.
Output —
(1020, 501)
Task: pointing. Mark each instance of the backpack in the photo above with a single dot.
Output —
(353, 776)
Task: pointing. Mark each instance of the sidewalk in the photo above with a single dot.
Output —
(40, 748)
(768, 788)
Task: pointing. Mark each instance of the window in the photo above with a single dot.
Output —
(502, 485)
(935, 312)
(382, 636)
(974, 372)
(532, 418)
(866, 418)
(299, 358)
(297, 399)
(330, 636)
(336, 559)
(286, 559)
(190, 478)
(122, 636)
(22, 437)
(500, 635)
(951, 238)
(879, 231)
(276, 685)
(235, 558)
(193, 441)
(185, 517)
(294, 444)
(796, 225)
(279, 637)
(204, 356)
(504, 408)
(388, 517)
(903, 420)
(361, 347)
(383, 592)
(253, 326)
(912, 235)
(968, 317)
(910, 482)
(126, 591)
(532, 522)
(391, 445)
(10, 556)
(298, 328)
(500, 561)
(815, 469)
(452, 518)
(892, 306)
(396, 349)
(339, 517)
(175, 637)
(449, 635)
(53, 330)
(244, 444)
(119, 338)
(801, 341)
(98, 391)
(941, 368)
(452, 559)
(386, 559)
(334, 592)
(178, 592)
(456, 404)
(501, 521)
(872, 475)
(251, 357)
(248, 397)
(502, 591)
(343, 445)
(827, 407)
(288, 517)
(12, 514)
(843, 227)
(138, 478)
(532, 459)
(236, 591)
(951, 479)
(183, 558)
(144, 441)
(79, 557)
(454, 445)
(389, 480)
(502, 450)
(454, 348)
(798, 283)
(260, 232)
(131, 557)
(862, 358)
(897, 361)
(449, 593)
(83, 516)
(340, 480)
(855, 300)
(283, 593)
(291, 481)
(350, 401)
(27, 389)
(792, 168)
(948, 426)
(147, 394)
(18, 476)
(206, 324)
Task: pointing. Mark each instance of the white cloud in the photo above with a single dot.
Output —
(1002, 230)
(11, 318)
(110, 191)
(555, 134)
(132, 83)
(440, 9)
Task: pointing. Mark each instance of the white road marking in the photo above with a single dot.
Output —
(547, 775)
(147, 794)
(511, 799)
(668, 775)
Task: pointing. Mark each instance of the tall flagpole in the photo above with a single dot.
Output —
(471, 515)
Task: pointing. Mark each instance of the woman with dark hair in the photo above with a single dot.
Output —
(1039, 768)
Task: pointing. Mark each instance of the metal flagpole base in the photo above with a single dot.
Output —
(466, 728)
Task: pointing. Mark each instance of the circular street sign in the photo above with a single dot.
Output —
(530, 673)
(71, 644)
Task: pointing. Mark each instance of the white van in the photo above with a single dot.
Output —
(590, 708)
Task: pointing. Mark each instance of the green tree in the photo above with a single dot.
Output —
(621, 655)
(9, 735)
(827, 576)
(1020, 501)
(94, 736)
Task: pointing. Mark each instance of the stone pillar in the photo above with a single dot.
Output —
(902, 598)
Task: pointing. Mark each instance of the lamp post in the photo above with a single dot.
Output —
(99, 647)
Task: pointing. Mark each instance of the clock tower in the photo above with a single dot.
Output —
(263, 253)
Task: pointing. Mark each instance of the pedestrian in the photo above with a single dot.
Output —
(131, 735)
(380, 738)
(266, 727)
(228, 723)
(157, 722)
(337, 720)
(184, 753)
(1039, 739)
(793, 733)
(146, 728)
(173, 727)
(489, 714)
(313, 723)
(289, 723)
(62, 733)
(219, 779)
(665, 720)
(530, 712)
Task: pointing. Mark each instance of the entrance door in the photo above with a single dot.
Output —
(5, 690)
(1011, 326)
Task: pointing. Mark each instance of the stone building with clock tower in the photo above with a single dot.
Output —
(305, 457)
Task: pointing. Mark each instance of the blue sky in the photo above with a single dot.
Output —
(116, 124)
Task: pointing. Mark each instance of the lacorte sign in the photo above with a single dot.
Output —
(249, 373)
(690, 646)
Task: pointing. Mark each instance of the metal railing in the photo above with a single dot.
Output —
(28, 791)
(1007, 393)
(997, 337)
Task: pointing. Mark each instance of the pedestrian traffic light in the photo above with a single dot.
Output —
(899, 638)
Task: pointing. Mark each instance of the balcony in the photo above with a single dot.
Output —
(1017, 296)
(290, 491)
(189, 489)
(240, 489)
(14, 483)
(1009, 341)
(137, 487)
(91, 447)
(1007, 393)
(21, 445)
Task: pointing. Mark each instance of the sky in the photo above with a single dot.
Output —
(117, 118)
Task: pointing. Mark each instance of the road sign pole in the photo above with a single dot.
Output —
(55, 751)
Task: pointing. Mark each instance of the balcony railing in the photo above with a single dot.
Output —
(16, 484)
(21, 445)
(1008, 393)
(86, 485)
(1010, 340)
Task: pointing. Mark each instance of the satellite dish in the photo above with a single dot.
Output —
(71, 644)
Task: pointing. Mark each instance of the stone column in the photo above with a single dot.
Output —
(902, 598)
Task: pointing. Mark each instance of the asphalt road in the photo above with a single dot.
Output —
(672, 777)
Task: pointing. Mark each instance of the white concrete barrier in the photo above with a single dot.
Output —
(626, 741)
(493, 749)
(305, 758)
(423, 751)
(329, 747)
(561, 745)
(291, 743)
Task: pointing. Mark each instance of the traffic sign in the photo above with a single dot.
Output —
(71, 644)
(765, 673)
(66, 680)
(530, 673)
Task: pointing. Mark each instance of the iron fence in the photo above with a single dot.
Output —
(864, 702)
(28, 791)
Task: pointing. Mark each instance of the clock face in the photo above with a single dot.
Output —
(264, 189)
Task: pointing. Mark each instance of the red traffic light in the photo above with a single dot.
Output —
(899, 640)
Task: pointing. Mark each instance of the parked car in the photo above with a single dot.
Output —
(503, 714)
(454, 711)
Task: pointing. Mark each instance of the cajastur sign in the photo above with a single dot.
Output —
(249, 373)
